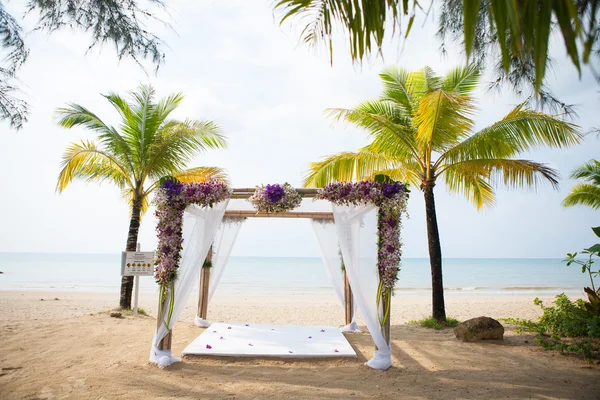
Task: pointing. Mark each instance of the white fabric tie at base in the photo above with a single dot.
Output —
(162, 358)
(382, 359)
(351, 327)
(201, 322)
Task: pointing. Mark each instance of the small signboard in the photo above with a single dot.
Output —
(137, 263)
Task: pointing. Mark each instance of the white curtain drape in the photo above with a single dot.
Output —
(330, 253)
(224, 240)
(356, 227)
(199, 227)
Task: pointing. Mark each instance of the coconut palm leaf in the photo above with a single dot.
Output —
(344, 167)
(519, 131)
(75, 115)
(363, 20)
(86, 161)
(462, 80)
(178, 142)
(375, 118)
(588, 192)
(475, 187)
(442, 118)
(395, 88)
(583, 194)
(201, 174)
(589, 172)
(513, 174)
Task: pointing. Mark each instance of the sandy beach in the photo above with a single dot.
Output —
(71, 348)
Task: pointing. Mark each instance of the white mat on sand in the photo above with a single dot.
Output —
(249, 340)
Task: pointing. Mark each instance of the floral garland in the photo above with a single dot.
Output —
(275, 198)
(171, 200)
(391, 200)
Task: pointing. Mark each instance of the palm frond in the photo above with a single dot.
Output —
(462, 80)
(76, 115)
(365, 21)
(513, 174)
(442, 119)
(395, 88)
(346, 167)
(177, 142)
(589, 172)
(381, 118)
(420, 83)
(583, 194)
(475, 187)
(201, 174)
(519, 131)
(86, 161)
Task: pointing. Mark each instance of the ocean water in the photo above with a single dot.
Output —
(283, 276)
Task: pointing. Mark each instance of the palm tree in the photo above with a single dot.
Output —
(422, 132)
(146, 146)
(588, 193)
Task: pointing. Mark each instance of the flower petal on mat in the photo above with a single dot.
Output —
(250, 344)
(208, 346)
(222, 337)
(322, 330)
(336, 351)
(310, 337)
(291, 352)
(247, 325)
(228, 327)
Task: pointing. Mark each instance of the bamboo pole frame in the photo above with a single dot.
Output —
(348, 300)
(165, 343)
(204, 286)
(289, 214)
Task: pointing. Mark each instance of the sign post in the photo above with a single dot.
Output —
(137, 263)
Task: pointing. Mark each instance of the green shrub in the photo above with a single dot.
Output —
(431, 322)
(567, 326)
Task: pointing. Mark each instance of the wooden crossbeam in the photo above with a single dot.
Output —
(244, 193)
(289, 214)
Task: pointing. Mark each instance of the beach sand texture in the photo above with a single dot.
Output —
(71, 348)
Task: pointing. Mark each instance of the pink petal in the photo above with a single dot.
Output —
(322, 330)
(214, 331)
(228, 327)
(222, 337)
(247, 325)
(336, 350)
(250, 344)
(208, 346)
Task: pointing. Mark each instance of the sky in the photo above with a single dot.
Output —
(238, 67)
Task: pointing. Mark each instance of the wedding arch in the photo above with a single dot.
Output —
(196, 232)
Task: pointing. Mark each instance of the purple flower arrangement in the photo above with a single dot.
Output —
(171, 200)
(275, 198)
(391, 200)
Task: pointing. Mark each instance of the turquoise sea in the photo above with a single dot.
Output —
(283, 276)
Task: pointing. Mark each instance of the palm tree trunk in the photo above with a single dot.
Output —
(132, 237)
(435, 255)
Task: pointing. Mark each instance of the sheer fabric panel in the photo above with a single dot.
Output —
(330, 253)
(224, 241)
(199, 228)
(356, 227)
